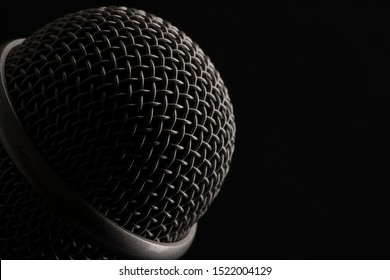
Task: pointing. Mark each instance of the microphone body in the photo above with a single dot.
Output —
(116, 134)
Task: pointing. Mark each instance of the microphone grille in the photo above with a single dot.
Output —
(130, 113)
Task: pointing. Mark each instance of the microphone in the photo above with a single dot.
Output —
(116, 135)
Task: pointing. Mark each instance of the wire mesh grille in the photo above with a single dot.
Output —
(131, 114)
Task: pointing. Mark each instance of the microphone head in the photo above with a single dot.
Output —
(130, 114)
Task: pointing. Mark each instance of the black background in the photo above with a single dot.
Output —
(311, 92)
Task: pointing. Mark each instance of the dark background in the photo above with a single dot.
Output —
(311, 92)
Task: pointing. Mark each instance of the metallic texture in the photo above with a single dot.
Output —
(64, 200)
(131, 115)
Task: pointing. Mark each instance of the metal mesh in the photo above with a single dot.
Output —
(130, 113)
